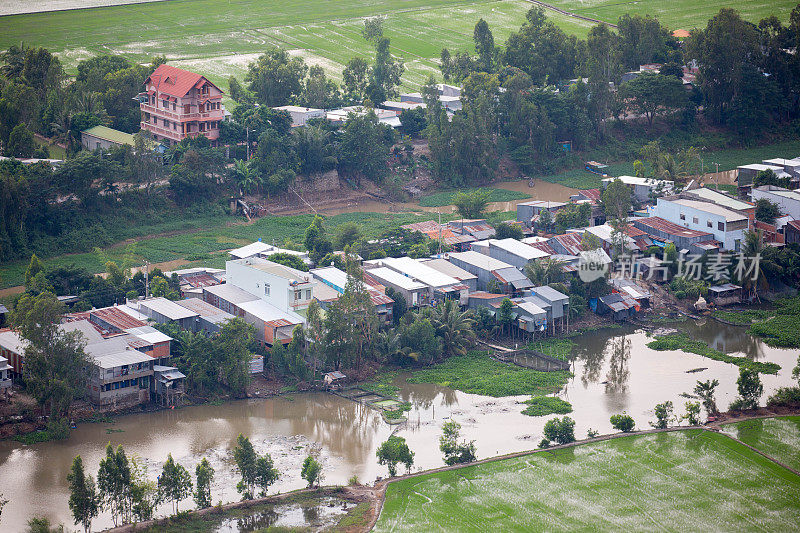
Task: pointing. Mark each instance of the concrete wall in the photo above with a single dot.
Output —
(788, 206)
(672, 211)
(90, 142)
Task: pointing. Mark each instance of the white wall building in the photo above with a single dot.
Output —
(727, 226)
(641, 187)
(301, 115)
(285, 288)
(788, 201)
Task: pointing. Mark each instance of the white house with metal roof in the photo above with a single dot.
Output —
(727, 226)
(282, 286)
(510, 251)
(642, 187)
(415, 292)
(788, 201)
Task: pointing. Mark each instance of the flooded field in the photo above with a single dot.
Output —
(614, 371)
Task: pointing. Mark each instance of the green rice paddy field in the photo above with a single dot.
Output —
(219, 38)
(777, 437)
(691, 480)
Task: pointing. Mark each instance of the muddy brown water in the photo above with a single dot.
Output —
(613, 372)
(542, 190)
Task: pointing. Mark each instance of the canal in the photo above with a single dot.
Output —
(614, 371)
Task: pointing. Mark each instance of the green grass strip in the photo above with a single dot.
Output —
(681, 341)
(446, 197)
(546, 405)
(477, 373)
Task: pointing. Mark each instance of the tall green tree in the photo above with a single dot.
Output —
(114, 482)
(385, 74)
(84, 502)
(266, 473)
(246, 459)
(276, 77)
(725, 50)
(472, 204)
(204, 475)
(174, 483)
(454, 327)
(484, 46)
(393, 451)
(55, 360)
(311, 471)
(455, 452)
(653, 95)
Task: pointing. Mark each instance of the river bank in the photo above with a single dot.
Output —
(612, 371)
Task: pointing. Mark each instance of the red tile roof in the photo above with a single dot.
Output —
(481, 295)
(658, 223)
(176, 81)
(591, 194)
(117, 318)
(571, 242)
(543, 246)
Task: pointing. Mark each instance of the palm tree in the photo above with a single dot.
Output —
(61, 129)
(454, 327)
(544, 272)
(245, 177)
(13, 62)
(753, 250)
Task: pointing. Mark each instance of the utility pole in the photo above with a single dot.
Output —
(146, 280)
(440, 233)
(247, 133)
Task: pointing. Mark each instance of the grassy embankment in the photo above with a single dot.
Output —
(636, 483)
(267, 516)
(442, 198)
(681, 341)
(477, 373)
(203, 238)
(783, 329)
(728, 159)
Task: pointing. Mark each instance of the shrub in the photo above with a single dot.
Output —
(785, 396)
(560, 430)
(663, 412)
(623, 423)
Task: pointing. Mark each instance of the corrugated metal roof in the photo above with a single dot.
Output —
(550, 294)
(670, 228)
(395, 278)
(125, 357)
(251, 249)
(167, 308)
(479, 260)
(116, 317)
(230, 293)
(109, 134)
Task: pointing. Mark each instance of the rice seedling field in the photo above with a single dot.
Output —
(777, 437)
(677, 14)
(219, 39)
(691, 480)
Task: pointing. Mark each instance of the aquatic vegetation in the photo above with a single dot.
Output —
(546, 405)
(783, 329)
(744, 317)
(681, 341)
(477, 373)
(554, 347)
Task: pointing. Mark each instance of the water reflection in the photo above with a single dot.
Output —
(614, 372)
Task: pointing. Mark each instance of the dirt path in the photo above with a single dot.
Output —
(570, 13)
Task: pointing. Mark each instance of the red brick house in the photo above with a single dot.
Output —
(177, 104)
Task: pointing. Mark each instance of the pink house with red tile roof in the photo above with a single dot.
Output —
(178, 104)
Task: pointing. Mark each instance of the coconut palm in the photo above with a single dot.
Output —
(454, 327)
(545, 271)
(753, 250)
(13, 62)
(245, 177)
